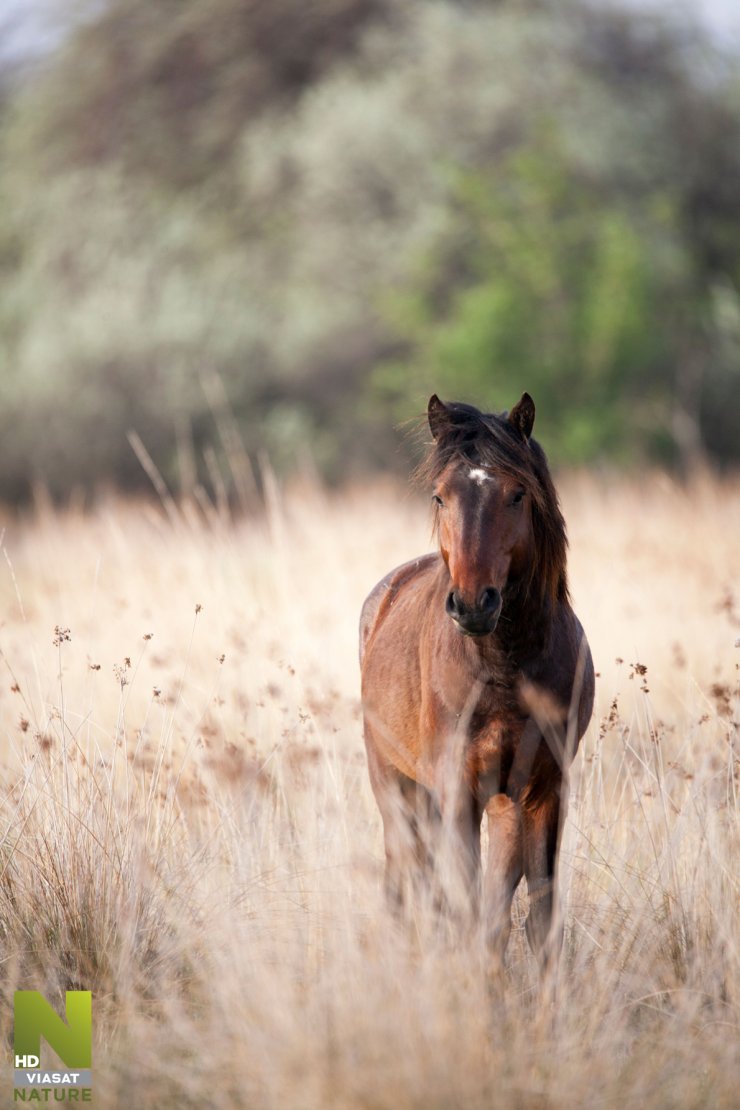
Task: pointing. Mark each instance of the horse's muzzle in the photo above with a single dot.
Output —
(475, 620)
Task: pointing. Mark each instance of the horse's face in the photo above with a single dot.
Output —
(485, 533)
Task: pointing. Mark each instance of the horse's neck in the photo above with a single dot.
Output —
(524, 629)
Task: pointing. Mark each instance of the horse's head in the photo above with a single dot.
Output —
(490, 488)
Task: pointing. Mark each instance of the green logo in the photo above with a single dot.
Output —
(35, 1018)
(71, 1040)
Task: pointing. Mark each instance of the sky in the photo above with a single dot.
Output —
(721, 17)
(29, 28)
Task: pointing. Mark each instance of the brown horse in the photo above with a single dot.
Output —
(477, 680)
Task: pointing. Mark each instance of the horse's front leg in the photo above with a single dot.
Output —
(541, 825)
(503, 870)
(410, 829)
(458, 862)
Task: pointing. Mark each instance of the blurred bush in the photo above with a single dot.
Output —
(303, 219)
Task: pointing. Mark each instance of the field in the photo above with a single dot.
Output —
(188, 830)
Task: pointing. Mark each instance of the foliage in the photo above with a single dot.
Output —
(560, 295)
(332, 210)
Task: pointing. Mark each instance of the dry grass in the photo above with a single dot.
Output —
(187, 827)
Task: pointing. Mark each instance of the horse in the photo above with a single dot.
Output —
(477, 678)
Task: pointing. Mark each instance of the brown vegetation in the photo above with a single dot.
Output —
(188, 829)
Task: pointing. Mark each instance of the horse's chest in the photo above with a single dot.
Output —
(488, 719)
(491, 745)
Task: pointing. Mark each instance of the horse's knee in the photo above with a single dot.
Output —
(505, 861)
(497, 933)
(393, 888)
(505, 814)
(543, 928)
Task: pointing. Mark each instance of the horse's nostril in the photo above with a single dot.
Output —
(455, 605)
(490, 599)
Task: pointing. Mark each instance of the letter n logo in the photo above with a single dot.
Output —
(71, 1040)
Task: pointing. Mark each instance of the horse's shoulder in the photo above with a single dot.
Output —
(572, 663)
(381, 597)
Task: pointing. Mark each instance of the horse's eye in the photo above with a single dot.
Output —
(437, 499)
(517, 498)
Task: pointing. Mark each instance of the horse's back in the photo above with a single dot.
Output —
(379, 601)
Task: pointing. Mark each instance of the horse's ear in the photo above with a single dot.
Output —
(522, 416)
(439, 416)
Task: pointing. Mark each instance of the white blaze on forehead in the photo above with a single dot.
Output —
(480, 476)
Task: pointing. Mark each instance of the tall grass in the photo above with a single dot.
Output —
(188, 830)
